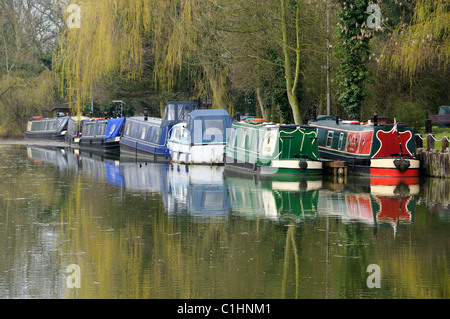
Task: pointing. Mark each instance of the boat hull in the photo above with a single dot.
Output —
(110, 145)
(45, 136)
(276, 167)
(141, 149)
(206, 154)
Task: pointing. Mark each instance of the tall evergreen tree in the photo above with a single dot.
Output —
(353, 50)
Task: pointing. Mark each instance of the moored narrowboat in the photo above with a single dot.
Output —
(147, 137)
(201, 139)
(371, 149)
(102, 134)
(269, 149)
(47, 128)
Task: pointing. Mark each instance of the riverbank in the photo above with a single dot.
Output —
(34, 142)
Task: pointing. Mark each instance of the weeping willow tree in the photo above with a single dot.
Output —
(102, 37)
(422, 44)
(113, 36)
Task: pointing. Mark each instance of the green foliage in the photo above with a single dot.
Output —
(353, 51)
(108, 110)
(412, 113)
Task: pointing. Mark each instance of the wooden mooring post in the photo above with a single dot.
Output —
(335, 169)
(434, 162)
(430, 142)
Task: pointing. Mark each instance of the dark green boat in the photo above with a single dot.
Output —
(272, 149)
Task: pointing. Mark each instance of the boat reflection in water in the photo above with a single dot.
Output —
(371, 202)
(197, 190)
(277, 200)
(208, 191)
(186, 190)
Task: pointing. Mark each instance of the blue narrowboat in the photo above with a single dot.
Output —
(102, 134)
(147, 137)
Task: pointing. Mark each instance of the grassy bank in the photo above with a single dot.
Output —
(439, 133)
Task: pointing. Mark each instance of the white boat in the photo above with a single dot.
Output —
(201, 139)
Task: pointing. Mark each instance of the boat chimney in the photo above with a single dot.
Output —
(375, 119)
(337, 119)
(145, 114)
(237, 116)
(314, 112)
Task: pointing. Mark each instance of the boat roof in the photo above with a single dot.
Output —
(270, 125)
(209, 113)
(330, 122)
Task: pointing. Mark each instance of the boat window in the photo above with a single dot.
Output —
(103, 129)
(170, 114)
(329, 138)
(213, 131)
(242, 141)
(157, 135)
(87, 130)
(341, 139)
(176, 133)
(232, 137)
(48, 125)
(270, 142)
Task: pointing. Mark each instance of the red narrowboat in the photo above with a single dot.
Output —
(383, 150)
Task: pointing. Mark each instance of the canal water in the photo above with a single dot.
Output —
(81, 225)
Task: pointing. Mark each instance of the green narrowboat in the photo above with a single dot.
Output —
(270, 149)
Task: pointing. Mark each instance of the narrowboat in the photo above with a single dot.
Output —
(387, 150)
(201, 139)
(101, 134)
(47, 128)
(269, 149)
(147, 137)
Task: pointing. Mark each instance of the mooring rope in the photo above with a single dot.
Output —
(423, 138)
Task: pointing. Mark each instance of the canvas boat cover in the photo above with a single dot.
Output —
(178, 111)
(60, 123)
(207, 126)
(113, 127)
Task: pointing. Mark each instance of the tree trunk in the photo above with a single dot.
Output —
(291, 83)
(260, 99)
